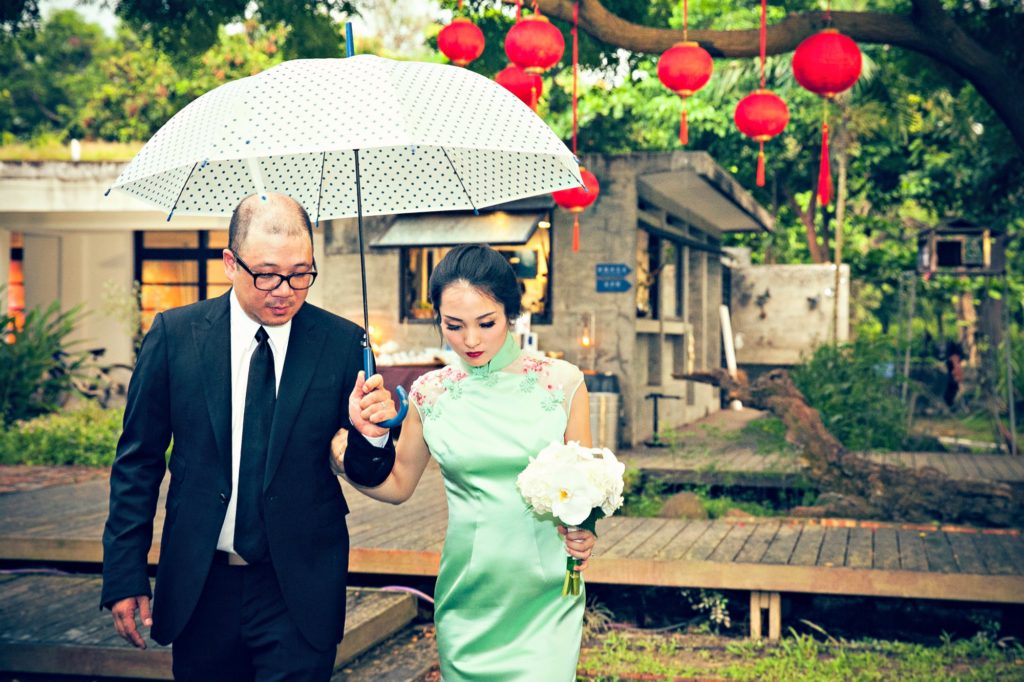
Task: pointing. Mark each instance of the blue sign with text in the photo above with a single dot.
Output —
(611, 270)
(612, 286)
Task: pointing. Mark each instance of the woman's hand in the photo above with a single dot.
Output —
(338, 445)
(579, 544)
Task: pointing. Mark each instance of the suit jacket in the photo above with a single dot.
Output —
(181, 389)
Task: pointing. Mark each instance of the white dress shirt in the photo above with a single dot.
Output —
(243, 343)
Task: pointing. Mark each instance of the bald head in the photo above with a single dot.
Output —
(271, 214)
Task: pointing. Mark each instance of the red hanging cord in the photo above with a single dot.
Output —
(824, 170)
(519, 9)
(575, 70)
(764, 35)
(760, 166)
(685, 22)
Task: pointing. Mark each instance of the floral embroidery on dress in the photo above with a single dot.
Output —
(428, 389)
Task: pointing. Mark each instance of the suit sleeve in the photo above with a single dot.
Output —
(138, 470)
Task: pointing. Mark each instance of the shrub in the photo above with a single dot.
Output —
(84, 436)
(36, 363)
(857, 397)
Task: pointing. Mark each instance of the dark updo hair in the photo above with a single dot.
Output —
(482, 268)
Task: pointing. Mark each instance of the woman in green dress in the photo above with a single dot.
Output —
(499, 610)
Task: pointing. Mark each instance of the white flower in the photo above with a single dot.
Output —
(569, 481)
(576, 496)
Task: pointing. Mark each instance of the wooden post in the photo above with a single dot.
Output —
(765, 600)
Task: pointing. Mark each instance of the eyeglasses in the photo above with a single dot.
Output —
(268, 281)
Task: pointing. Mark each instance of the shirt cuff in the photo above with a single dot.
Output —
(378, 441)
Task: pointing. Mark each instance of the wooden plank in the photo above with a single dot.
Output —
(782, 545)
(1013, 548)
(992, 553)
(631, 544)
(660, 539)
(887, 549)
(682, 543)
(939, 553)
(1016, 467)
(708, 541)
(758, 542)
(833, 547)
(966, 554)
(860, 548)
(807, 547)
(733, 542)
(625, 527)
(912, 554)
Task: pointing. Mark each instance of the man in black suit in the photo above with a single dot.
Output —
(251, 386)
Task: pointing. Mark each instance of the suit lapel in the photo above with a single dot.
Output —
(305, 344)
(212, 337)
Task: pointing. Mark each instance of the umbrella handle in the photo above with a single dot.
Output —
(403, 397)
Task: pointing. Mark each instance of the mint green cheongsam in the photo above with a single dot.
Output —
(499, 610)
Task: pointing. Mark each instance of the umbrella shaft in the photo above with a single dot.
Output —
(362, 254)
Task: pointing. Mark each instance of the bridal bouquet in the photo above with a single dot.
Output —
(577, 486)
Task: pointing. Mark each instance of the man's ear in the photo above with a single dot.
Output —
(230, 265)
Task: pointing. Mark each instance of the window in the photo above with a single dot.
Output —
(16, 280)
(531, 263)
(177, 268)
(648, 269)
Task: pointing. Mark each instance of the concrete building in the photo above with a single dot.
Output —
(639, 300)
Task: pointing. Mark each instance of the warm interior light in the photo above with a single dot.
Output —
(544, 224)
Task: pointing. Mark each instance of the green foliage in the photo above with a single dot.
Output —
(623, 655)
(642, 496)
(37, 364)
(86, 436)
(768, 435)
(718, 505)
(850, 385)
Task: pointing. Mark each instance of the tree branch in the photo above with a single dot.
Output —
(928, 29)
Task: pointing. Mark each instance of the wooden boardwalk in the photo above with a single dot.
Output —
(51, 624)
(745, 467)
(770, 556)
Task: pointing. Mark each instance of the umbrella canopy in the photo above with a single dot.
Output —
(431, 137)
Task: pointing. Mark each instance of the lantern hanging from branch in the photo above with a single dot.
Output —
(461, 41)
(762, 114)
(684, 69)
(534, 43)
(827, 64)
(526, 86)
(577, 199)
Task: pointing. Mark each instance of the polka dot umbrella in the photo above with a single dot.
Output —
(352, 137)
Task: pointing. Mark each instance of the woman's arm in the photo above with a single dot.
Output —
(578, 427)
(411, 457)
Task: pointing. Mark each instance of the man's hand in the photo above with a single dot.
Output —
(124, 619)
(369, 404)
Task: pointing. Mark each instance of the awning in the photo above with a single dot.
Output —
(450, 229)
(701, 193)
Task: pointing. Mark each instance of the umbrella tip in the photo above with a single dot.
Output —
(107, 193)
(476, 211)
(263, 197)
(169, 215)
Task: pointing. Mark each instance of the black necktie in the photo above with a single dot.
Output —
(260, 396)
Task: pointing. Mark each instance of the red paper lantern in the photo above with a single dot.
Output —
(575, 200)
(461, 41)
(534, 44)
(761, 115)
(827, 63)
(526, 86)
(684, 69)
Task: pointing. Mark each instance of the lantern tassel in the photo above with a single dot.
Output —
(576, 234)
(760, 166)
(824, 172)
(684, 133)
(533, 98)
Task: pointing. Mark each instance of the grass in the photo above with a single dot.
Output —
(54, 150)
(625, 655)
(645, 496)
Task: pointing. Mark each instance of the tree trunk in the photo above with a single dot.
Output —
(927, 29)
(859, 487)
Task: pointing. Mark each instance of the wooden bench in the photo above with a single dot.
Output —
(51, 624)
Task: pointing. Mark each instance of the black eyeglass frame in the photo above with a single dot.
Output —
(281, 279)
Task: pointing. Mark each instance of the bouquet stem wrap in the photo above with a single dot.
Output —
(573, 583)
